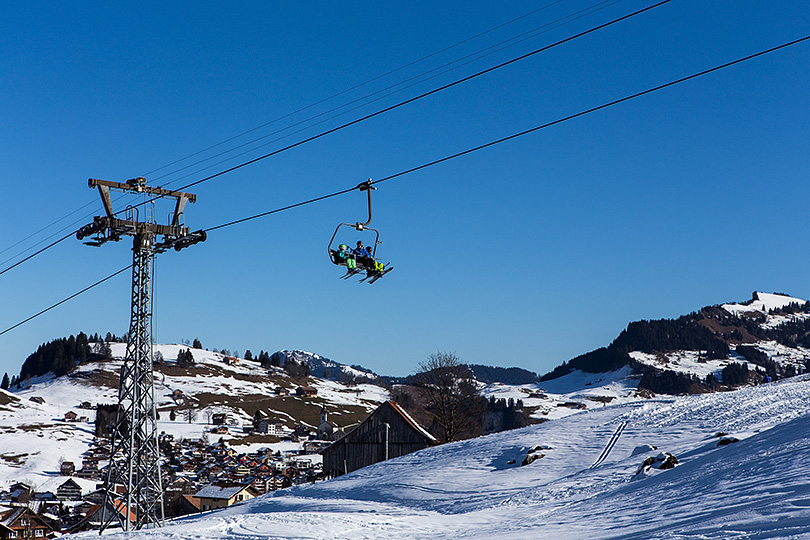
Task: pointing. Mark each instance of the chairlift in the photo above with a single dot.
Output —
(363, 264)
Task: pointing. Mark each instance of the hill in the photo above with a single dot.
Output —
(765, 338)
(36, 434)
(588, 480)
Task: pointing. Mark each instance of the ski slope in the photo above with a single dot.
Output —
(585, 486)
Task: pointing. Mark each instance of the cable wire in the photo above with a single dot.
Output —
(458, 154)
(525, 132)
(355, 87)
(396, 87)
(71, 297)
(420, 96)
(372, 115)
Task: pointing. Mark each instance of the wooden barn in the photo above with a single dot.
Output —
(388, 432)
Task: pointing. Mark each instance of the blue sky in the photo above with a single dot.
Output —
(527, 253)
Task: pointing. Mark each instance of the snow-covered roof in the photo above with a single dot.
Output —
(219, 492)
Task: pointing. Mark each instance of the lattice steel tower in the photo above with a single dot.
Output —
(134, 486)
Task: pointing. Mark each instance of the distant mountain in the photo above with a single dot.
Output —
(767, 336)
(323, 368)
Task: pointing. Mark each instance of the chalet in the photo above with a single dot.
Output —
(71, 416)
(22, 522)
(100, 513)
(306, 391)
(89, 469)
(265, 426)
(281, 391)
(386, 433)
(69, 491)
(37, 399)
(85, 405)
(213, 496)
(67, 468)
(219, 419)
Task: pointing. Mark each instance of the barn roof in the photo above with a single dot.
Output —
(397, 408)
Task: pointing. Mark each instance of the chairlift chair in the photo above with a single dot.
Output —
(363, 263)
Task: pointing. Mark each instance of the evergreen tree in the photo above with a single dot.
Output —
(197, 344)
(5, 384)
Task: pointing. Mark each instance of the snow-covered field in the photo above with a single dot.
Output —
(584, 487)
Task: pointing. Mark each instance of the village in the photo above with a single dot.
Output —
(200, 475)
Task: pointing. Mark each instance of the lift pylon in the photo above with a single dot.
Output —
(134, 486)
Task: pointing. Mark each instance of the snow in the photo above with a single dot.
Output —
(36, 436)
(686, 362)
(585, 485)
(763, 302)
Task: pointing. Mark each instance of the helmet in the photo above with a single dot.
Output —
(359, 242)
(342, 246)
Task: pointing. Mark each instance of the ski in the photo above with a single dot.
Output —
(381, 274)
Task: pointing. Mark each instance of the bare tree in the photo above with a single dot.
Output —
(451, 395)
(189, 412)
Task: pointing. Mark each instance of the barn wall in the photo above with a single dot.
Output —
(366, 444)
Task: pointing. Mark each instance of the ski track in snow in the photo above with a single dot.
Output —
(609, 446)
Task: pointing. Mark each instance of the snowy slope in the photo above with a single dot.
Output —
(763, 302)
(585, 486)
(36, 436)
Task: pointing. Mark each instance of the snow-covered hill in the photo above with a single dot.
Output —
(584, 484)
(769, 335)
(36, 435)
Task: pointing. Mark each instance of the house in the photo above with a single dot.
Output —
(69, 491)
(213, 496)
(71, 416)
(218, 419)
(386, 433)
(67, 468)
(99, 513)
(89, 469)
(306, 391)
(281, 391)
(22, 522)
(276, 429)
(37, 399)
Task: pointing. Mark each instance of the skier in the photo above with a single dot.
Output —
(344, 255)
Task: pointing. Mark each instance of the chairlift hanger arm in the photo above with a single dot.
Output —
(368, 187)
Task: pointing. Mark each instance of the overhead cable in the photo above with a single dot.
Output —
(459, 154)
(522, 133)
(396, 88)
(71, 297)
(372, 115)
